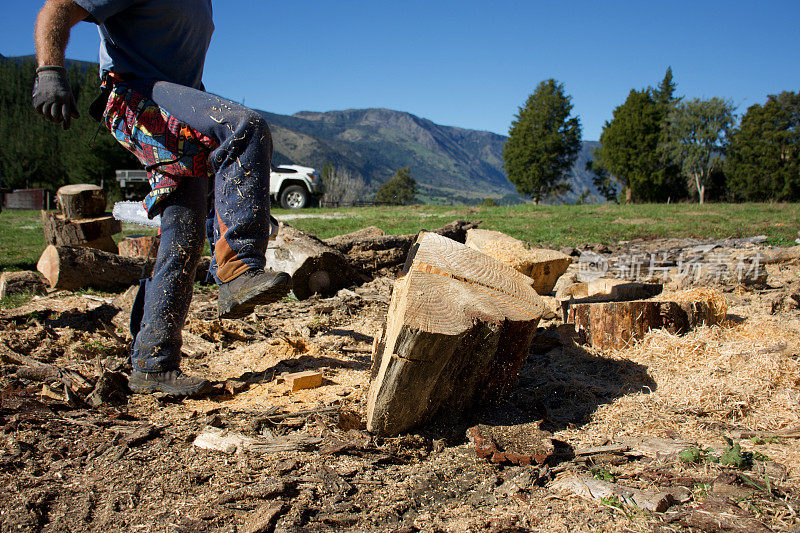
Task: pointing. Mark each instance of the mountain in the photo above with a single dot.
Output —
(449, 163)
(374, 143)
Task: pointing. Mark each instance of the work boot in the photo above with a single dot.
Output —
(238, 297)
(172, 382)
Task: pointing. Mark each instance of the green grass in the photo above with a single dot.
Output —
(563, 225)
(22, 242)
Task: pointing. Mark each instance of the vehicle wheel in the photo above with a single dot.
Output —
(294, 197)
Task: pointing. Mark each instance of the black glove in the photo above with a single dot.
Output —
(52, 96)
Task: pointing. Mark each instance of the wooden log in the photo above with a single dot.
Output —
(81, 201)
(12, 283)
(315, 267)
(611, 325)
(72, 268)
(545, 266)
(370, 251)
(348, 239)
(88, 232)
(139, 246)
(459, 326)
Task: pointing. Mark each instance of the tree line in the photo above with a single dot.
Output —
(35, 153)
(659, 147)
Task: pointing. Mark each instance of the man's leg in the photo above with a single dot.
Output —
(241, 194)
(156, 350)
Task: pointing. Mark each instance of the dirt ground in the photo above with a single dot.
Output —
(729, 393)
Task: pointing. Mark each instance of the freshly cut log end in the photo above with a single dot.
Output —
(72, 268)
(543, 265)
(82, 200)
(459, 326)
(139, 246)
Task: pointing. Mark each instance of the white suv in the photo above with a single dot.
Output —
(294, 187)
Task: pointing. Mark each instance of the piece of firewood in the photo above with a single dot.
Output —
(25, 281)
(81, 201)
(309, 379)
(145, 246)
(543, 265)
(610, 325)
(72, 268)
(460, 324)
(91, 232)
(315, 267)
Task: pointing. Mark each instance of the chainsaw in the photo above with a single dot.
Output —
(135, 213)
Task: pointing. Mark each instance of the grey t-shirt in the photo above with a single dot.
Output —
(166, 40)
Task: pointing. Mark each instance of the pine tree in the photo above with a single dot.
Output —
(763, 160)
(400, 190)
(543, 143)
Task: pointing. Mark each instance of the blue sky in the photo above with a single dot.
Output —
(473, 63)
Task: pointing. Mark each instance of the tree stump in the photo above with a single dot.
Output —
(92, 232)
(72, 268)
(459, 326)
(315, 267)
(613, 325)
(81, 201)
(139, 246)
(545, 266)
(12, 283)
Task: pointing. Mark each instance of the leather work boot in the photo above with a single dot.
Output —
(238, 297)
(172, 382)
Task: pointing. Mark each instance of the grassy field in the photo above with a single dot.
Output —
(21, 239)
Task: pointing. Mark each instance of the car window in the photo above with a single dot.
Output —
(284, 170)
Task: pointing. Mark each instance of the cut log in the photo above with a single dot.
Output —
(348, 239)
(12, 283)
(81, 201)
(611, 325)
(315, 267)
(543, 265)
(72, 268)
(371, 252)
(89, 232)
(139, 246)
(459, 326)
